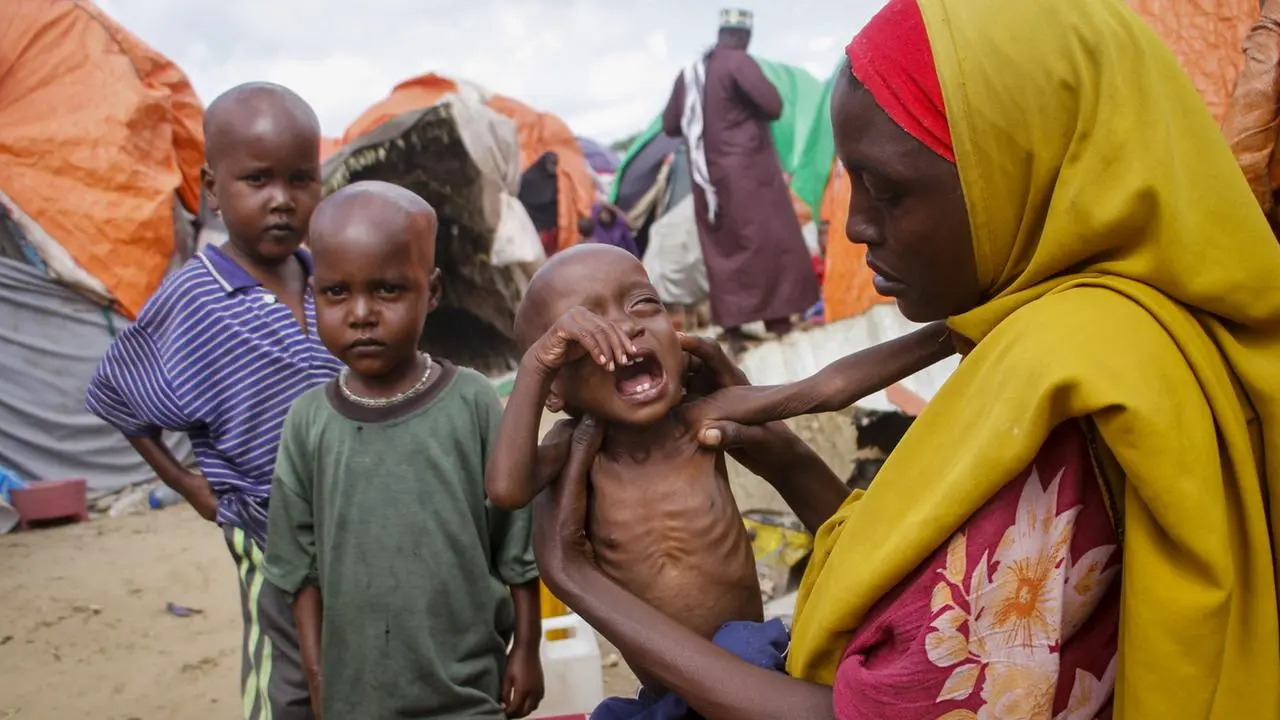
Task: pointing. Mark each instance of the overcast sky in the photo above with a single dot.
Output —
(604, 66)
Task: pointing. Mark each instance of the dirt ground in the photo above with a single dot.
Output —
(84, 632)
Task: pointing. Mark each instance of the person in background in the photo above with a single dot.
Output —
(757, 263)
(223, 348)
(611, 229)
(586, 228)
(380, 528)
(540, 196)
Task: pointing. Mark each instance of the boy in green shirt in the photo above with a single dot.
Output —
(379, 526)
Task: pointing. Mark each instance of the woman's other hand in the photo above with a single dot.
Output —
(717, 386)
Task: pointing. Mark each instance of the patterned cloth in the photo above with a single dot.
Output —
(1016, 616)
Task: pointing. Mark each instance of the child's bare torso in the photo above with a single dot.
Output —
(667, 529)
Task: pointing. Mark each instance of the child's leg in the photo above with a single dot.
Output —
(273, 686)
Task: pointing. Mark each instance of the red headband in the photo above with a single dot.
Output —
(892, 59)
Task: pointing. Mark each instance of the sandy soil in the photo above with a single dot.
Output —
(84, 632)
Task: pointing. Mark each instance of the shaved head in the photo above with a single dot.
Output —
(559, 277)
(388, 212)
(255, 108)
(373, 247)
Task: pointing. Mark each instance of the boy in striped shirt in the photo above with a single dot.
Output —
(222, 350)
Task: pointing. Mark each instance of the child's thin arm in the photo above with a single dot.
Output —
(838, 385)
(308, 614)
(192, 487)
(527, 598)
(523, 686)
(509, 478)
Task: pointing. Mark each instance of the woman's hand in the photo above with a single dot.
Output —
(560, 513)
(707, 368)
(770, 450)
(715, 384)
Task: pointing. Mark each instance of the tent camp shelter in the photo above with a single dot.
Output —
(538, 132)
(462, 157)
(100, 154)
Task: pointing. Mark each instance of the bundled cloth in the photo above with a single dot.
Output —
(761, 644)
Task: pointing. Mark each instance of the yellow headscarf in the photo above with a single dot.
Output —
(1134, 281)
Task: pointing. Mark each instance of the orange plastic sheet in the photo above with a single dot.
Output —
(1251, 123)
(801, 208)
(329, 146)
(97, 133)
(539, 133)
(1206, 37)
(847, 290)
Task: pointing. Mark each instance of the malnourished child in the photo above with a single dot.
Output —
(662, 520)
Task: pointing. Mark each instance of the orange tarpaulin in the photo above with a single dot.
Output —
(329, 146)
(1251, 123)
(1206, 36)
(97, 133)
(539, 133)
(847, 290)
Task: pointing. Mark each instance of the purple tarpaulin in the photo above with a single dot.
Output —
(600, 158)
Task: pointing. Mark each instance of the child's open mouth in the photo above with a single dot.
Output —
(642, 380)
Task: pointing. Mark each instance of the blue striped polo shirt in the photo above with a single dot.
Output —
(215, 355)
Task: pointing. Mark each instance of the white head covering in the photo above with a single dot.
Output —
(735, 19)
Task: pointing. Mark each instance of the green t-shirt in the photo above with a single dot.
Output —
(387, 515)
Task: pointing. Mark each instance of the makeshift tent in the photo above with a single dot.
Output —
(97, 134)
(100, 155)
(1253, 115)
(329, 146)
(601, 159)
(462, 157)
(847, 290)
(539, 133)
(603, 162)
(53, 339)
(1206, 37)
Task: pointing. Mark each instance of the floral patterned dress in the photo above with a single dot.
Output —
(1016, 616)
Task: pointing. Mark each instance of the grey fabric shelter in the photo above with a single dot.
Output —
(51, 340)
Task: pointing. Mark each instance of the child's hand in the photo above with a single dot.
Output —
(201, 496)
(522, 684)
(581, 332)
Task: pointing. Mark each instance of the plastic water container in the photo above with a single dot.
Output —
(163, 497)
(571, 667)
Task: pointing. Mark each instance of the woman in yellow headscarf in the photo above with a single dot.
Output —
(1080, 524)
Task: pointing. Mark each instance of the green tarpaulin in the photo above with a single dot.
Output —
(802, 135)
(816, 155)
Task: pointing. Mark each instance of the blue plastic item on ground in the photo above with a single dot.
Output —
(163, 497)
(9, 480)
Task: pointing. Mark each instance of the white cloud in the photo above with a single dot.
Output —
(604, 66)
